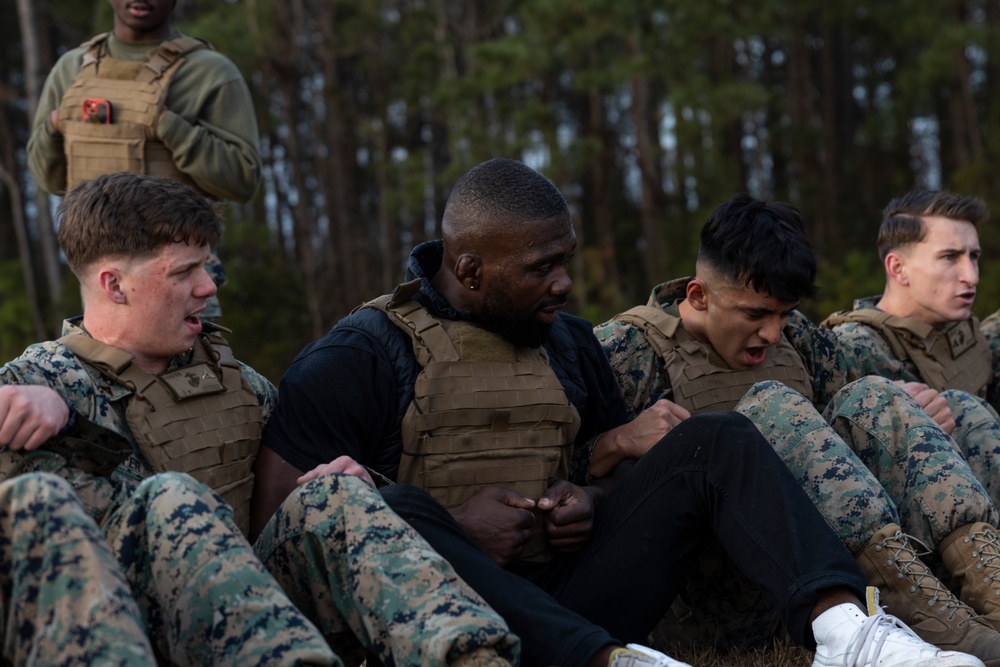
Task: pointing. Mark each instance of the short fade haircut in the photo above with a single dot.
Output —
(132, 215)
(760, 245)
(902, 218)
(500, 191)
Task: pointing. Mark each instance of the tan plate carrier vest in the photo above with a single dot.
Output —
(698, 384)
(136, 91)
(955, 357)
(202, 419)
(484, 412)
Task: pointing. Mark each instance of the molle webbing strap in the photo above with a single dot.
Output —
(93, 48)
(427, 331)
(169, 53)
(201, 419)
(166, 55)
(484, 412)
(724, 390)
(955, 356)
(136, 92)
(431, 339)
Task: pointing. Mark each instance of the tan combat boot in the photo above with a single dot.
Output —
(909, 591)
(972, 555)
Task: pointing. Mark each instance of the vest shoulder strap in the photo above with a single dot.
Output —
(215, 348)
(117, 364)
(92, 49)
(659, 327)
(884, 322)
(430, 340)
(170, 52)
(106, 358)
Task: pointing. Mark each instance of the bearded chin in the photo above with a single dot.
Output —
(498, 315)
(524, 333)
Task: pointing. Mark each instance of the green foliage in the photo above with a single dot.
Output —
(16, 331)
(857, 274)
(262, 302)
(816, 103)
(228, 31)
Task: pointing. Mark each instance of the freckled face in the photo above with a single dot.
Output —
(164, 295)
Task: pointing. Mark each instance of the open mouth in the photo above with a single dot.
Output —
(755, 355)
(547, 314)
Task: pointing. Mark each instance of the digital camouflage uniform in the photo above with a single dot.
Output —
(195, 584)
(871, 458)
(977, 429)
(64, 600)
(990, 327)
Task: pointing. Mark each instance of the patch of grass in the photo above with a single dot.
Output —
(782, 653)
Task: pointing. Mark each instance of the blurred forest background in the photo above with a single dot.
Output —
(647, 114)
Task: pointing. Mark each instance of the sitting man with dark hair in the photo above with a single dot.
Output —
(468, 383)
(876, 465)
(110, 555)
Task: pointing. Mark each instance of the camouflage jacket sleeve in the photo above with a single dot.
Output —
(52, 364)
(991, 330)
(825, 361)
(869, 353)
(638, 370)
(266, 393)
(90, 446)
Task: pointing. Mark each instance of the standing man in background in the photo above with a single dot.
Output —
(144, 98)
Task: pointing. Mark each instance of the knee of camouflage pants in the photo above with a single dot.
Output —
(977, 434)
(205, 597)
(919, 465)
(63, 599)
(352, 564)
(845, 492)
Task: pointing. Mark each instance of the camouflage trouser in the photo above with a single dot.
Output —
(977, 432)
(917, 479)
(63, 600)
(359, 571)
(872, 458)
(204, 597)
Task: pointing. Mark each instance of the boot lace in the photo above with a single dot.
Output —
(906, 560)
(986, 551)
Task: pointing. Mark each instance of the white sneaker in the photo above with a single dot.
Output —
(848, 637)
(634, 655)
